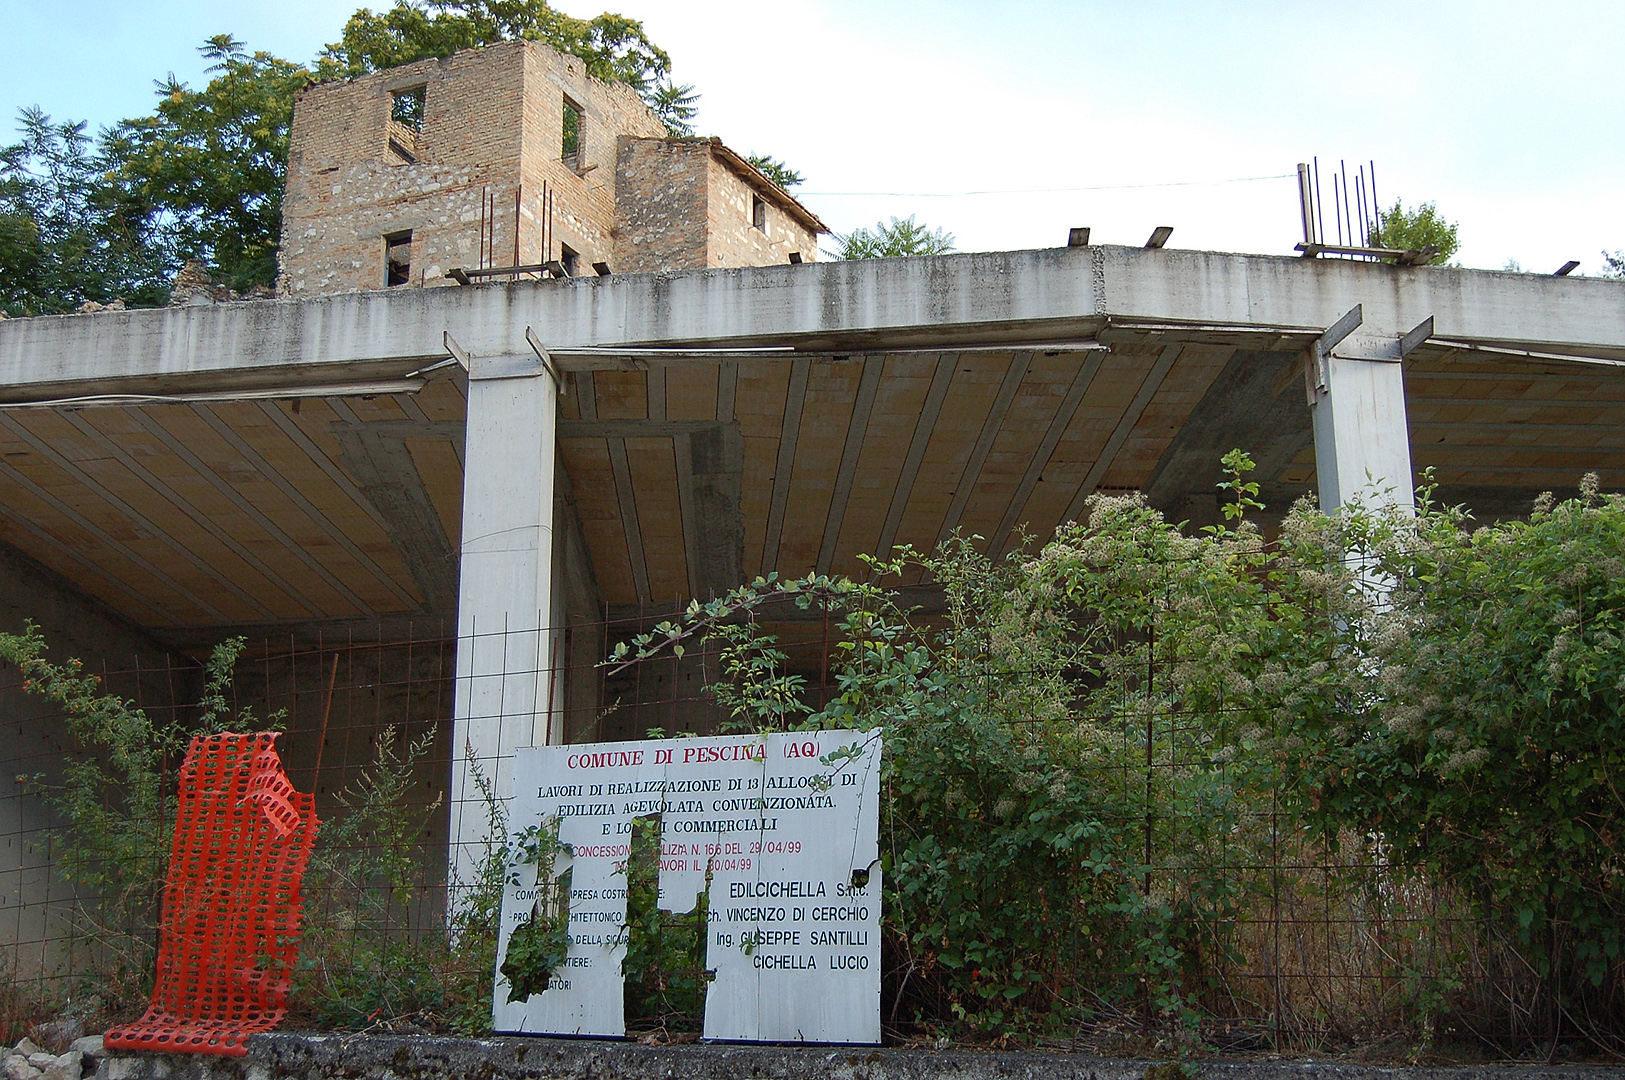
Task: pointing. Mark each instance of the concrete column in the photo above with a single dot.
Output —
(505, 601)
(1362, 444)
(1356, 386)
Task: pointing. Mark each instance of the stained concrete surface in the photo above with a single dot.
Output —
(412, 1057)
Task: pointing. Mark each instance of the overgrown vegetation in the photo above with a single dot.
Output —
(1417, 229)
(537, 946)
(664, 973)
(1355, 782)
(1354, 785)
(376, 945)
(118, 800)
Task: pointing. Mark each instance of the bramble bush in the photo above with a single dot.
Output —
(1109, 762)
(119, 802)
(363, 956)
(1359, 780)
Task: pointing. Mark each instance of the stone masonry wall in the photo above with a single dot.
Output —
(734, 240)
(347, 188)
(661, 210)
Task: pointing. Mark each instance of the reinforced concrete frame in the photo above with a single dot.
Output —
(1042, 326)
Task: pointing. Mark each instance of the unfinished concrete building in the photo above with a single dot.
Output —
(428, 508)
(513, 156)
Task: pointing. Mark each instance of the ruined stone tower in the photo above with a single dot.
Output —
(511, 155)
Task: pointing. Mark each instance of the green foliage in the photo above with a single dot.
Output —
(1613, 264)
(1490, 749)
(664, 974)
(1416, 229)
(359, 959)
(118, 798)
(537, 947)
(675, 105)
(1048, 824)
(66, 236)
(208, 166)
(892, 241)
(1102, 757)
(615, 48)
(776, 170)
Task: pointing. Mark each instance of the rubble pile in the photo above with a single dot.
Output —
(30, 1061)
(193, 284)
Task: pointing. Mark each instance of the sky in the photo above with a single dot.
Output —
(1008, 123)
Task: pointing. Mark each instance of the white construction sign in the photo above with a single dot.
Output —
(774, 838)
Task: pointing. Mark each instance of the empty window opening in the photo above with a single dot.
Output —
(569, 259)
(758, 212)
(570, 145)
(398, 258)
(406, 107)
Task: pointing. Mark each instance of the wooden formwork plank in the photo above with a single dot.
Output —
(442, 477)
(80, 532)
(759, 396)
(899, 400)
(970, 478)
(924, 428)
(381, 407)
(157, 531)
(654, 483)
(691, 391)
(32, 523)
(1015, 513)
(443, 400)
(1076, 452)
(220, 532)
(976, 381)
(340, 513)
(621, 395)
(592, 481)
(1042, 392)
(826, 412)
(288, 489)
(1170, 406)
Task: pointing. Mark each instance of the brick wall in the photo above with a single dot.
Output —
(490, 150)
(492, 129)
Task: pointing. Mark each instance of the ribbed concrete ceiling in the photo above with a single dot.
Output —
(691, 476)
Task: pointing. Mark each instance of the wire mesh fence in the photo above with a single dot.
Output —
(1187, 911)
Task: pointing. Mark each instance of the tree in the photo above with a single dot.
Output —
(208, 166)
(66, 236)
(1613, 264)
(900, 238)
(614, 47)
(1413, 230)
(775, 170)
(674, 104)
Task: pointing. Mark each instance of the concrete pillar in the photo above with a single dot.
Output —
(1362, 444)
(505, 605)
(1356, 386)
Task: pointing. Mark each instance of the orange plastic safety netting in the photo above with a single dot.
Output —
(230, 927)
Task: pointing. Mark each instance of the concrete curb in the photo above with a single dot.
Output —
(290, 1056)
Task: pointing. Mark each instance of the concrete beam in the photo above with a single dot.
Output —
(1011, 297)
